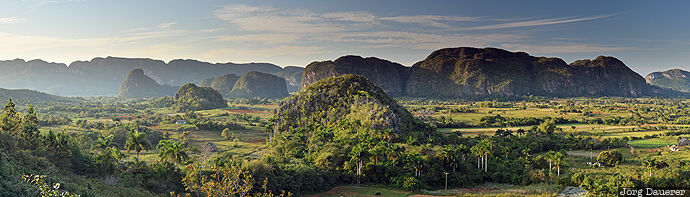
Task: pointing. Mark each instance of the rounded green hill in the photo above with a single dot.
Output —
(191, 97)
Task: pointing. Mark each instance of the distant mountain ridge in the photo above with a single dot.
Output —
(675, 79)
(103, 76)
(26, 97)
(467, 72)
(462, 72)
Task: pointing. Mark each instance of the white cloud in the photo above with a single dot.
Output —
(530, 23)
(7, 20)
(281, 50)
(158, 31)
(423, 40)
(267, 25)
(209, 30)
(166, 25)
(361, 17)
(267, 19)
(429, 20)
(150, 35)
(14, 42)
(39, 3)
(232, 11)
(286, 24)
(260, 38)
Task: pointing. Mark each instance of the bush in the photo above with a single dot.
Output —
(610, 158)
(411, 183)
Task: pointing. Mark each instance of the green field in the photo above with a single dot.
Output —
(653, 143)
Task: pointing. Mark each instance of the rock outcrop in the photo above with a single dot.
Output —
(292, 76)
(388, 75)
(675, 79)
(472, 72)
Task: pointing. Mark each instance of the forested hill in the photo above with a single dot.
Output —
(25, 97)
(103, 76)
(467, 72)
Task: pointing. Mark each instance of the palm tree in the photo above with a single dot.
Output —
(137, 142)
(487, 148)
(482, 151)
(558, 160)
(476, 151)
(172, 150)
(359, 154)
(549, 156)
(463, 151)
(448, 154)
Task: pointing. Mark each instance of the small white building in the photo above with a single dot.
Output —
(181, 122)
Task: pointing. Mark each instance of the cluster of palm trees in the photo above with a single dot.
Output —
(170, 150)
(173, 151)
(358, 155)
(482, 151)
(557, 158)
(484, 148)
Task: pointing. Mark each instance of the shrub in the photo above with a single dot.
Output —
(609, 158)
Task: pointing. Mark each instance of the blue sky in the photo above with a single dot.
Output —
(646, 35)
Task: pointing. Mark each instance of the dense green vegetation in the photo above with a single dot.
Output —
(339, 132)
